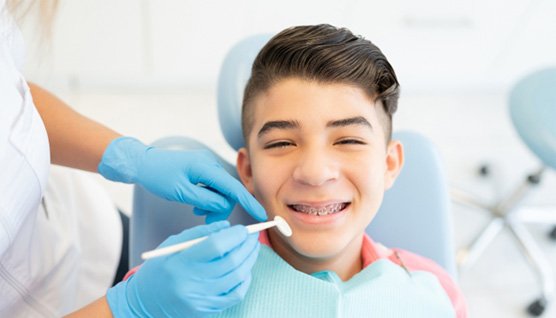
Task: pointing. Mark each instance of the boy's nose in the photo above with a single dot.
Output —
(315, 168)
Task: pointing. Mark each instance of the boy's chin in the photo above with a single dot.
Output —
(314, 246)
(325, 250)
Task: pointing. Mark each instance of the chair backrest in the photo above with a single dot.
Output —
(414, 214)
(234, 74)
(532, 108)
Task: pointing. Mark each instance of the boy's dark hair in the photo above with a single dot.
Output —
(326, 54)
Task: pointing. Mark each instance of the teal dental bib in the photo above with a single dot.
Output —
(382, 289)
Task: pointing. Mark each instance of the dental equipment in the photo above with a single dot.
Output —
(278, 221)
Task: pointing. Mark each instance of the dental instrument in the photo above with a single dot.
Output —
(278, 221)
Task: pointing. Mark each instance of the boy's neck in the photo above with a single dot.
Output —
(345, 265)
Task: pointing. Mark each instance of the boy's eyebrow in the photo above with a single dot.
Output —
(277, 124)
(292, 124)
(357, 120)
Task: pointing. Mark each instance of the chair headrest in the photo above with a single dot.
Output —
(234, 74)
(533, 110)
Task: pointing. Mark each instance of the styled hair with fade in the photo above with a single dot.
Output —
(326, 54)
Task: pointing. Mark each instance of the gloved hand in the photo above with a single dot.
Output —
(176, 175)
(206, 278)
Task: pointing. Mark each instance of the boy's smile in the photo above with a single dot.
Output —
(318, 156)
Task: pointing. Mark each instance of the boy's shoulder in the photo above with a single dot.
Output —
(372, 251)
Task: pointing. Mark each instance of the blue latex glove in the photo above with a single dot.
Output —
(204, 279)
(176, 175)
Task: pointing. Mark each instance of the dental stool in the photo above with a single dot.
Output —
(414, 214)
(532, 106)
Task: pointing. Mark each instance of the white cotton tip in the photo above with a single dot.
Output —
(278, 221)
(283, 226)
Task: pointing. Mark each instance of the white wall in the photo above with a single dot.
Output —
(435, 45)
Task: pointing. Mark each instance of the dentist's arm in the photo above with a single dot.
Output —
(193, 177)
(99, 309)
(75, 140)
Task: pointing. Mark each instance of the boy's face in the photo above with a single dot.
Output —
(318, 157)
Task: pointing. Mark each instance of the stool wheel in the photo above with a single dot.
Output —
(537, 307)
(484, 170)
(552, 234)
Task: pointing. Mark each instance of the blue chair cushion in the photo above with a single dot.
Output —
(533, 112)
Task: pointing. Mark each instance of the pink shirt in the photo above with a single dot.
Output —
(371, 252)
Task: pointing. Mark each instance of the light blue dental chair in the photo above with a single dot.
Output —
(532, 107)
(414, 215)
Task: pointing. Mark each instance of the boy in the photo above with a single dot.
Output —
(317, 122)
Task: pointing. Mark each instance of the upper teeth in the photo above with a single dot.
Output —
(320, 210)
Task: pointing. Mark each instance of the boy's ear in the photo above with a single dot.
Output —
(243, 166)
(394, 162)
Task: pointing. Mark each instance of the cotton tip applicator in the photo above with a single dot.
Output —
(278, 221)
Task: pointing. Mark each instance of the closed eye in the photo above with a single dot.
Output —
(279, 144)
(350, 142)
